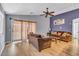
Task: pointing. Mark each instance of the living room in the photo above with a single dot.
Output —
(31, 30)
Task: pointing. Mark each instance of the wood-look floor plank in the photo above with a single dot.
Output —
(25, 49)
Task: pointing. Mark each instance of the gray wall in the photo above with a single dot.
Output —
(42, 23)
(68, 17)
(2, 35)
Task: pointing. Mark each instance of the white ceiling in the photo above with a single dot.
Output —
(37, 8)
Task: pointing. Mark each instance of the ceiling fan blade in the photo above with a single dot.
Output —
(52, 12)
(42, 14)
(46, 15)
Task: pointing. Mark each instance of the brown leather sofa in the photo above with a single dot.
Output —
(39, 42)
(61, 35)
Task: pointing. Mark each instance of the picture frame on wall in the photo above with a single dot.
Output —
(59, 21)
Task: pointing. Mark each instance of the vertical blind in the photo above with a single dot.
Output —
(22, 28)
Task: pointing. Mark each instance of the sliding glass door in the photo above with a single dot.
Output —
(16, 31)
(31, 27)
(21, 29)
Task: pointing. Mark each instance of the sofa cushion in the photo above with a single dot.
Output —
(54, 33)
(64, 34)
(59, 34)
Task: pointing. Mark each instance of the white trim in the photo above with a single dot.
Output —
(2, 50)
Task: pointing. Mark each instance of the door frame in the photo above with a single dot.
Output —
(74, 21)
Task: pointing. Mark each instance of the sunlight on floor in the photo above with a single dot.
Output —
(75, 46)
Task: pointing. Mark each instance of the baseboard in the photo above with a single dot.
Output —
(7, 42)
(4, 46)
(2, 49)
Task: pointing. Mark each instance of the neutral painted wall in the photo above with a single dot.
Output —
(2, 34)
(68, 17)
(42, 23)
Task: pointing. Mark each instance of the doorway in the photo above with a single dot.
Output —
(21, 29)
(75, 29)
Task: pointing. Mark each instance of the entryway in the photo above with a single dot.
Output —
(21, 29)
(75, 30)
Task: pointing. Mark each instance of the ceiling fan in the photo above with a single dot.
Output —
(47, 13)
